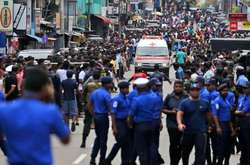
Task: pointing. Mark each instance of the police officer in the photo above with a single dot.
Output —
(171, 103)
(204, 94)
(100, 101)
(142, 112)
(156, 87)
(120, 112)
(244, 113)
(221, 111)
(192, 118)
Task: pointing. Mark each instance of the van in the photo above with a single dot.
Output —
(37, 53)
(151, 51)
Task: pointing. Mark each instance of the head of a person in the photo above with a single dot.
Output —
(96, 74)
(223, 89)
(246, 88)
(195, 91)
(124, 87)
(178, 87)
(142, 84)
(65, 65)
(37, 81)
(200, 81)
(107, 82)
(176, 66)
(155, 84)
(211, 84)
(69, 74)
(156, 67)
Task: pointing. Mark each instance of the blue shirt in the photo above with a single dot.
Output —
(204, 94)
(143, 107)
(242, 79)
(27, 125)
(159, 105)
(133, 94)
(221, 108)
(179, 73)
(2, 97)
(120, 106)
(195, 115)
(213, 95)
(101, 101)
(245, 104)
(231, 98)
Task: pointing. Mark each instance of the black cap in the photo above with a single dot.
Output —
(222, 86)
(212, 81)
(123, 84)
(106, 80)
(155, 81)
(200, 79)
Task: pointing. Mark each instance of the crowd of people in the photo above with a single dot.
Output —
(209, 107)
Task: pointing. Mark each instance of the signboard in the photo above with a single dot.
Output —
(244, 26)
(233, 26)
(237, 17)
(6, 15)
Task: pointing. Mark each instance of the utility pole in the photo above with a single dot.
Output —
(119, 17)
(89, 16)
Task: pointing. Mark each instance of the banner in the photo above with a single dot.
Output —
(6, 15)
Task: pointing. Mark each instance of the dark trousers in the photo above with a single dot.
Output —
(156, 135)
(132, 147)
(87, 126)
(189, 140)
(122, 142)
(144, 142)
(224, 144)
(175, 145)
(101, 130)
(245, 141)
(3, 146)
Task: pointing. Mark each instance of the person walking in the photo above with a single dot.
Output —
(142, 112)
(192, 118)
(221, 111)
(99, 106)
(170, 106)
(92, 85)
(244, 116)
(119, 113)
(35, 120)
(70, 87)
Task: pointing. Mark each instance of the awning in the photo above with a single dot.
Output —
(38, 39)
(104, 19)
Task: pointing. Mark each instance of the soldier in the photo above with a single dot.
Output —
(92, 84)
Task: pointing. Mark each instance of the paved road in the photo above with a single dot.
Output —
(74, 155)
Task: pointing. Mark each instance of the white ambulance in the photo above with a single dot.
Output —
(151, 51)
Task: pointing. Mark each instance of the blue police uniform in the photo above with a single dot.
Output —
(120, 109)
(29, 136)
(101, 101)
(143, 111)
(244, 106)
(242, 80)
(204, 94)
(221, 108)
(133, 94)
(156, 125)
(213, 95)
(231, 98)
